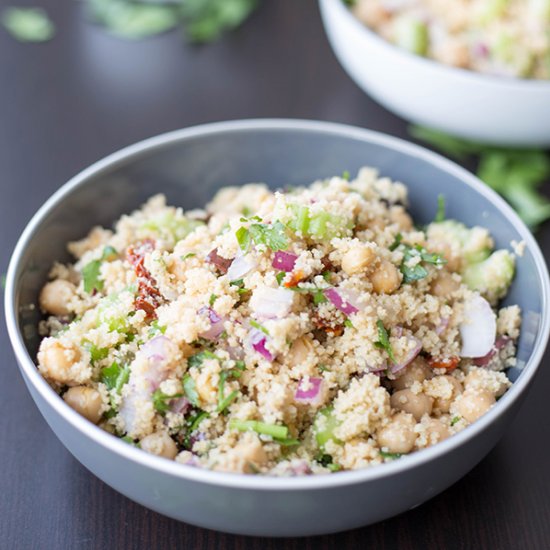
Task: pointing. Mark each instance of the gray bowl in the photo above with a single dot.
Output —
(188, 166)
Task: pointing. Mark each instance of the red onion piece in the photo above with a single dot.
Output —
(341, 300)
(216, 323)
(309, 391)
(409, 357)
(500, 342)
(397, 331)
(239, 267)
(258, 340)
(284, 261)
(271, 302)
(221, 263)
(159, 347)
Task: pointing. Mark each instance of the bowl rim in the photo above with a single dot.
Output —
(468, 74)
(269, 483)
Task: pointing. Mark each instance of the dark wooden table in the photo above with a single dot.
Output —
(71, 101)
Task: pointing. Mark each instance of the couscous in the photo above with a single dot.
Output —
(304, 331)
(499, 37)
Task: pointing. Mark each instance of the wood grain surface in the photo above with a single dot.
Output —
(69, 102)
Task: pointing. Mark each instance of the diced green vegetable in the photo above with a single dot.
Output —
(320, 225)
(171, 226)
(474, 243)
(491, 277)
(324, 426)
(28, 24)
(412, 35)
(115, 376)
(277, 432)
(384, 340)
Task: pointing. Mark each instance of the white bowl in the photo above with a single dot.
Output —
(497, 110)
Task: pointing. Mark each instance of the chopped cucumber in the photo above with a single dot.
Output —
(492, 276)
(412, 35)
(324, 427)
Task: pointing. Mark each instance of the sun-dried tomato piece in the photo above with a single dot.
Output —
(148, 297)
(221, 263)
(447, 363)
(295, 278)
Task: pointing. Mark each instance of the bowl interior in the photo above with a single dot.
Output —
(189, 166)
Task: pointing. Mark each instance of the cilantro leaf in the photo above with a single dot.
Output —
(190, 390)
(273, 236)
(28, 24)
(115, 376)
(384, 341)
(393, 456)
(411, 267)
(91, 278)
(198, 359)
(257, 325)
(161, 400)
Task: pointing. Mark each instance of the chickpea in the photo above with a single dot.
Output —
(160, 444)
(417, 371)
(56, 362)
(385, 278)
(481, 379)
(85, 401)
(251, 452)
(436, 430)
(398, 436)
(444, 284)
(55, 297)
(472, 404)
(357, 259)
(416, 404)
(399, 216)
(442, 404)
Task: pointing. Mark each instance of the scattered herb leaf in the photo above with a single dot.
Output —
(384, 340)
(190, 390)
(257, 325)
(115, 376)
(393, 456)
(197, 359)
(161, 400)
(28, 24)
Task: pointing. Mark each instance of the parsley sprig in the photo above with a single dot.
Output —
(384, 341)
(273, 235)
(413, 257)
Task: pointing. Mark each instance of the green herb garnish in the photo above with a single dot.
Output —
(190, 390)
(155, 328)
(348, 323)
(28, 24)
(455, 420)
(384, 340)
(345, 175)
(396, 242)
(440, 215)
(91, 271)
(393, 456)
(161, 400)
(188, 255)
(273, 236)
(277, 432)
(96, 354)
(318, 294)
(257, 325)
(197, 359)
(279, 277)
(115, 376)
(212, 299)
